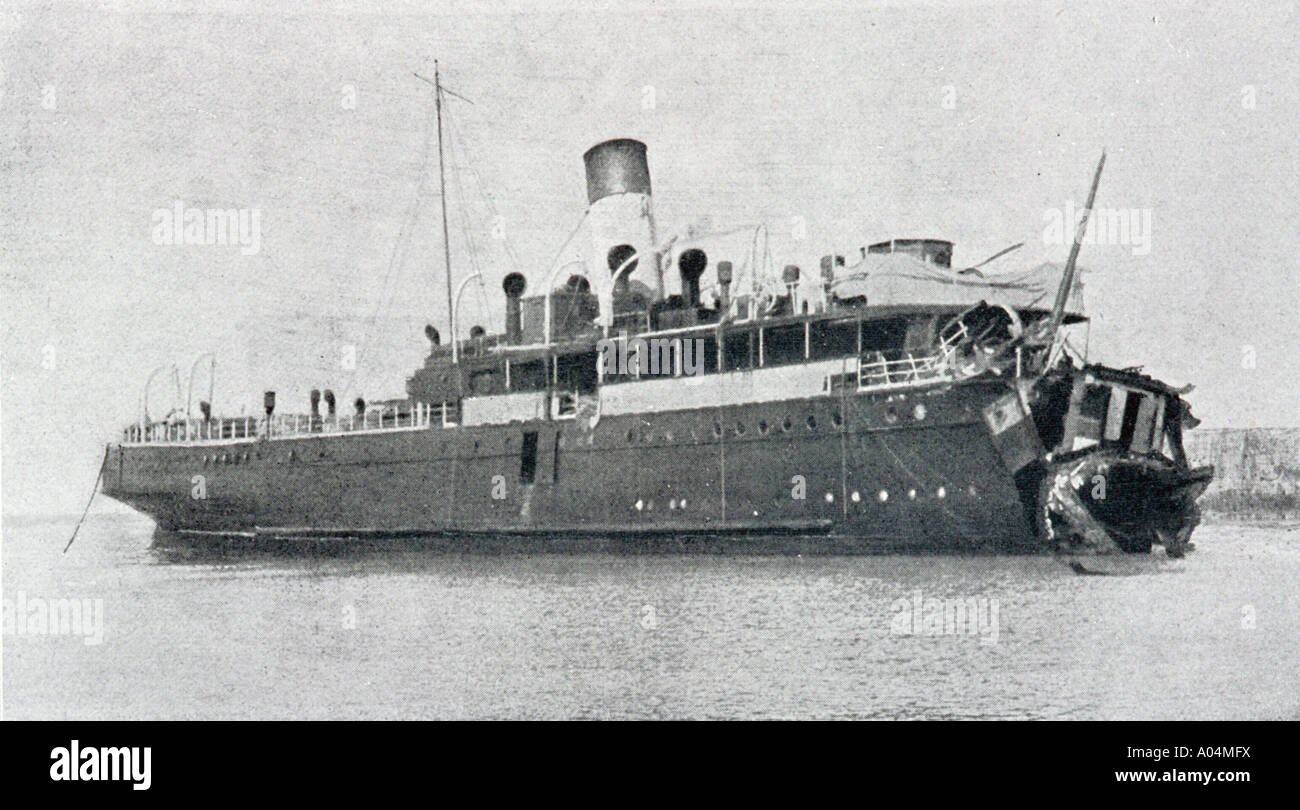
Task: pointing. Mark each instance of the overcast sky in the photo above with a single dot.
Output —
(965, 121)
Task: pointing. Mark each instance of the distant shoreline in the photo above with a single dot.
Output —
(1256, 472)
(1261, 519)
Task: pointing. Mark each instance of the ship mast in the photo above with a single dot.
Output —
(442, 191)
(442, 183)
(1043, 332)
(1067, 278)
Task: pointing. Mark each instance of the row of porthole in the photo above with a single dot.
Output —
(786, 425)
(238, 458)
(647, 506)
(883, 495)
(763, 428)
(891, 416)
(856, 496)
(227, 458)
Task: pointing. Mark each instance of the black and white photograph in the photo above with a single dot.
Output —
(651, 361)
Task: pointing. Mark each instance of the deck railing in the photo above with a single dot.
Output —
(890, 369)
(415, 416)
(903, 368)
(896, 369)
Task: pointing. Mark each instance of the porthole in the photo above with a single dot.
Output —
(812, 422)
(763, 427)
(787, 425)
(740, 428)
(884, 495)
(919, 412)
(631, 436)
(837, 419)
(891, 415)
(717, 429)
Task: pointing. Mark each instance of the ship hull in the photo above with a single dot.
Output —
(912, 469)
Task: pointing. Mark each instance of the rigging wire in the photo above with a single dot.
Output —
(398, 257)
(471, 163)
(457, 156)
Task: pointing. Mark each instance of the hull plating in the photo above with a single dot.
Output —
(911, 469)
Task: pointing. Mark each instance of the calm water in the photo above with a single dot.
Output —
(458, 635)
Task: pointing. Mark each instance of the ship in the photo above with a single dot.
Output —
(685, 392)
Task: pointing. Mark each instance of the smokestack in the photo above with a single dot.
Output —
(315, 403)
(514, 286)
(621, 214)
(268, 403)
(329, 403)
(616, 167)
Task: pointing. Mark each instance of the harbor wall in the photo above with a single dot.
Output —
(1256, 471)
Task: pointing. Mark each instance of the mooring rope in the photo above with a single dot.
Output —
(93, 490)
